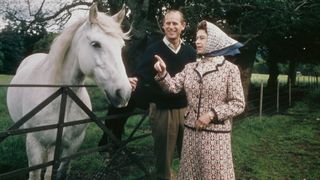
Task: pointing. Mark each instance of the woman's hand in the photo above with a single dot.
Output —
(160, 66)
(203, 121)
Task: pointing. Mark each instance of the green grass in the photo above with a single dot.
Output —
(5, 79)
(258, 78)
(280, 146)
(274, 147)
(255, 79)
(12, 149)
(283, 79)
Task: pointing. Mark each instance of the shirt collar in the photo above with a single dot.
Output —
(170, 46)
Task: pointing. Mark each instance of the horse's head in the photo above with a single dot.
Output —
(99, 45)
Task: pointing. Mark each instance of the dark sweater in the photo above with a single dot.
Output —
(148, 88)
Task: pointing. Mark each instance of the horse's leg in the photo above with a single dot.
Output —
(73, 147)
(49, 157)
(35, 153)
(63, 170)
(61, 174)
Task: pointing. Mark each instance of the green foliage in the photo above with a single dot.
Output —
(43, 45)
(316, 70)
(283, 68)
(260, 68)
(1, 61)
(31, 33)
(309, 69)
(12, 49)
(17, 40)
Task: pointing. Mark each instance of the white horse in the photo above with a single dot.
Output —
(91, 47)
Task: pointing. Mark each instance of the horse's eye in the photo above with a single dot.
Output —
(95, 44)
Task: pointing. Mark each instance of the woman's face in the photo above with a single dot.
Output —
(201, 41)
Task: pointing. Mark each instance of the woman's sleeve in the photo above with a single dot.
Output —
(172, 84)
(235, 103)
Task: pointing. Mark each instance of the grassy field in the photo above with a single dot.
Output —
(278, 147)
(5, 79)
(283, 79)
(283, 146)
(258, 78)
(255, 78)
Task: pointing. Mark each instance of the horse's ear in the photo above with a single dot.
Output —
(120, 15)
(93, 14)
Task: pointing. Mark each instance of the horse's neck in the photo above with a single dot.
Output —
(70, 73)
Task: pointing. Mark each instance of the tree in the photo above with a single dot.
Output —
(55, 14)
(145, 19)
(12, 49)
(1, 59)
(292, 36)
(288, 29)
(43, 45)
(25, 31)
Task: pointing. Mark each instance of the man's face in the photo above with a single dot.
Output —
(173, 25)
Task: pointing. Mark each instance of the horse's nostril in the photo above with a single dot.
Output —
(118, 93)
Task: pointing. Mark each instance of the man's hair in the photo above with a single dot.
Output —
(202, 26)
(174, 11)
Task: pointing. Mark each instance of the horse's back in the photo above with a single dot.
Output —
(31, 61)
(20, 100)
(24, 75)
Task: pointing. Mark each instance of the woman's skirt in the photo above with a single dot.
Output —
(206, 155)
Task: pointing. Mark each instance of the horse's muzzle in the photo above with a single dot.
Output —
(119, 99)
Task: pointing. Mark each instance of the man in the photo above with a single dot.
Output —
(166, 110)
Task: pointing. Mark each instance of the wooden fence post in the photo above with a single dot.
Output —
(278, 90)
(289, 92)
(57, 150)
(261, 100)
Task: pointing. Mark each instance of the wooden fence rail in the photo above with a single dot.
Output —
(261, 101)
(64, 92)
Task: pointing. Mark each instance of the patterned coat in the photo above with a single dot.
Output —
(212, 84)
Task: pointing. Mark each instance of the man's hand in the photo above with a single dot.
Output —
(160, 66)
(133, 82)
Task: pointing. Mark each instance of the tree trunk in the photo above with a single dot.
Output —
(245, 63)
(292, 72)
(273, 73)
(143, 24)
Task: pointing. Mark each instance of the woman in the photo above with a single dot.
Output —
(215, 95)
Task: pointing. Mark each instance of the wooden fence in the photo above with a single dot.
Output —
(261, 101)
(64, 92)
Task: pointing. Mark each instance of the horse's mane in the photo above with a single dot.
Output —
(60, 46)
